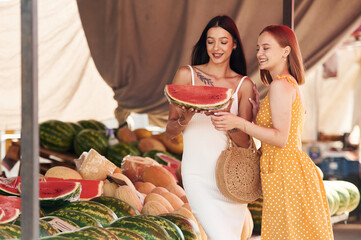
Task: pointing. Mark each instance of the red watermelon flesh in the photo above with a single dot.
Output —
(90, 188)
(10, 201)
(172, 161)
(9, 186)
(2, 213)
(199, 97)
(10, 214)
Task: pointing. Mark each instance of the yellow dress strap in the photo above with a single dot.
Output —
(289, 79)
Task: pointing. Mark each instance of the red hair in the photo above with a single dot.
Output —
(286, 37)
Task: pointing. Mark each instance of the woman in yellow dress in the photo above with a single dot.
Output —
(294, 199)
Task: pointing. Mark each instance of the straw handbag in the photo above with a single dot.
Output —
(238, 173)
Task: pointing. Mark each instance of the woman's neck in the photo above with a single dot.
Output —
(282, 70)
(220, 70)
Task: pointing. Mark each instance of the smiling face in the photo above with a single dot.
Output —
(271, 56)
(220, 45)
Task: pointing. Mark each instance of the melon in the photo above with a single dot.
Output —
(354, 194)
(10, 207)
(174, 145)
(124, 134)
(149, 144)
(159, 176)
(62, 172)
(133, 166)
(153, 208)
(89, 188)
(198, 97)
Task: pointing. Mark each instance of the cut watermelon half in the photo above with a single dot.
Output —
(89, 188)
(9, 186)
(198, 97)
(57, 193)
(10, 214)
(2, 213)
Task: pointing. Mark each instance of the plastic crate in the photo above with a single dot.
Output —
(339, 166)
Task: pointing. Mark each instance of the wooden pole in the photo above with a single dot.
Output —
(288, 13)
(29, 121)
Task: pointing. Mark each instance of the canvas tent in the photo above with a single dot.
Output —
(101, 56)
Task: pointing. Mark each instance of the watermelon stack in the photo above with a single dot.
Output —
(56, 135)
(90, 138)
(118, 151)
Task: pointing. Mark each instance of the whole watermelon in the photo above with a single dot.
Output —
(354, 194)
(77, 127)
(91, 138)
(255, 208)
(342, 193)
(118, 151)
(56, 135)
(332, 196)
(92, 124)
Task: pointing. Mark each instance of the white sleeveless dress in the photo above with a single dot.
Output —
(221, 219)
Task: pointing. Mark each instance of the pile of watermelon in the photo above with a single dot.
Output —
(342, 196)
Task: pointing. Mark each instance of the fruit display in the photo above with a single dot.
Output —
(198, 97)
(128, 191)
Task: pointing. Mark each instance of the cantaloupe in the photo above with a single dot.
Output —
(142, 133)
(62, 172)
(176, 189)
(146, 188)
(159, 176)
(133, 166)
(174, 145)
(159, 190)
(173, 199)
(148, 144)
(129, 195)
(124, 134)
(109, 188)
(153, 208)
(160, 199)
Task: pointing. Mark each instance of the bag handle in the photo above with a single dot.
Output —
(252, 145)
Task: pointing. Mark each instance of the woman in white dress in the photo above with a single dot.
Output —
(217, 60)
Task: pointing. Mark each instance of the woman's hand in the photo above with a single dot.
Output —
(255, 104)
(185, 114)
(224, 121)
(212, 112)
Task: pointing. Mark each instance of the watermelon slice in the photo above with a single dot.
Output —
(89, 188)
(10, 214)
(9, 186)
(57, 193)
(198, 97)
(2, 213)
(10, 206)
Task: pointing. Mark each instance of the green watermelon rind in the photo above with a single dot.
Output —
(80, 218)
(59, 200)
(50, 218)
(219, 105)
(119, 207)
(146, 228)
(330, 192)
(173, 230)
(91, 124)
(90, 232)
(118, 151)
(342, 193)
(188, 227)
(46, 229)
(89, 138)
(56, 135)
(124, 233)
(99, 211)
(353, 192)
(11, 229)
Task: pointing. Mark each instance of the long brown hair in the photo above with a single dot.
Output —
(237, 61)
(286, 37)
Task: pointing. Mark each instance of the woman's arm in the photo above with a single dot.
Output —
(179, 117)
(244, 111)
(281, 96)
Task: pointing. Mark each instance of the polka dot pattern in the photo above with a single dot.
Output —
(294, 199)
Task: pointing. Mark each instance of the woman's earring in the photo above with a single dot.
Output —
(284, 59)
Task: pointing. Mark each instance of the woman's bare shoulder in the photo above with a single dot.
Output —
(183, 76)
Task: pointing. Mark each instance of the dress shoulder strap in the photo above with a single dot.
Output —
(289, 79)
(192, 74)
(239, 84)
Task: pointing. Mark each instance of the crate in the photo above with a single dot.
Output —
(340, 165)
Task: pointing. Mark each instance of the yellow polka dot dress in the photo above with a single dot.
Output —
(294, 200)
